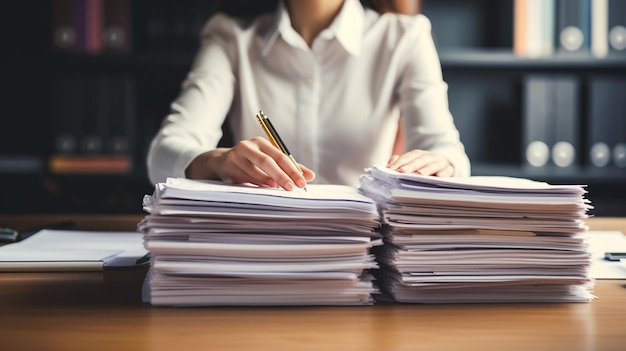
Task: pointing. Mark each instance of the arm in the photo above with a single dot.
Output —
(432, 138)
(193, 125)
(185, 145)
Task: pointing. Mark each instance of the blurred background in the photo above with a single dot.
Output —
(537, 89)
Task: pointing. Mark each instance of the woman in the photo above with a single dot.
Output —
(334, 77)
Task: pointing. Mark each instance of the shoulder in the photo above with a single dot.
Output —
(396, 28)
(228, 27)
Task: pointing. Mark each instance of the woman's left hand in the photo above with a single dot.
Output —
(421, 162)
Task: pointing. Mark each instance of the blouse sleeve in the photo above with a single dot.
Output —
(194, 123)
(423, 98)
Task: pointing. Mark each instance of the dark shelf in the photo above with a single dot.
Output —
(491, 59)
(554, 174)
(138, 61)
(96, 193)
(497, 59)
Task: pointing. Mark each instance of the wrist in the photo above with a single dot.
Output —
(206, 165)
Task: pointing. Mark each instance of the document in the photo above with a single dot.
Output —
(480, 239)
(601, 242)
(398, 236)
(415, 203)
(216, 243)
(72, 250)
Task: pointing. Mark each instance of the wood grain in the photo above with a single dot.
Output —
(103, 311)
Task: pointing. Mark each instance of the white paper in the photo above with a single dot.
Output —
(54, 248)
(222, 244)
(480, 239)
(601, 242)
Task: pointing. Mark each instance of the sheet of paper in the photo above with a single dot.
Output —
(491, 183)
(57, 248)
(601, 242)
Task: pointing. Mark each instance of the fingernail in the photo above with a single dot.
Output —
(301, 183)
(289, 186)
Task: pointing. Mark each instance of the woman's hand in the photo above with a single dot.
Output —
(421, 162)
(254, 161)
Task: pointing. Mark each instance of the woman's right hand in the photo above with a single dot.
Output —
(254, 161)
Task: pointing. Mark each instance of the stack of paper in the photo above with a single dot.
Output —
(480, 239)
(220, 244)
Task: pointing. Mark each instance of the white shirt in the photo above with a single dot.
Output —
(336, 104)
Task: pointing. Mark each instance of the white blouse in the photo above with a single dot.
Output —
(336, 105)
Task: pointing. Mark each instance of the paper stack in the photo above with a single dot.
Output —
(221, 244)
(480, 239)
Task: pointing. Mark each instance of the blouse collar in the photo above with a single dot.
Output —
(347, 27)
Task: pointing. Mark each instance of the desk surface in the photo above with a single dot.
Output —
(98, 311)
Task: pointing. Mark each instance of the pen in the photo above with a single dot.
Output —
(614, 256)
(275, 139)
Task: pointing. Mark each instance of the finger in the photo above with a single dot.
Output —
(256, 176)
(401, 162)
(392, 160)
(433, 167)
(448, 171)
(307, 173)
(237, 169)
(268, 165)
(415, 164)
(286, 164)
(263, 163)
(274, 163)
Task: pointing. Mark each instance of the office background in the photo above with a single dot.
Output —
(84, 85)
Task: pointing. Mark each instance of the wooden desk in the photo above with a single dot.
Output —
(103, 311)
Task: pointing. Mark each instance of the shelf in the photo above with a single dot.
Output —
(142, 61)
(554, 174)
(506, 59)
(488, 59)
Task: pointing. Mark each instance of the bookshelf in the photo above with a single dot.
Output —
(474, 38)
(116, 94)
(488, 92)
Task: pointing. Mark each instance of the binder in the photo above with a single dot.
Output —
(153, 29)
(93, 26)
(533, 32)
(64, 31)
(617, 26)
(520, 30)
(116, 26)
(95, 125)
(68, 113)
(122, 116)
(599, 28)
(77, 25)
(79, 10)
(94, 117)
(573, 28)
(607, 121)
(552, 120)
(567, 120)
(537, 124)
